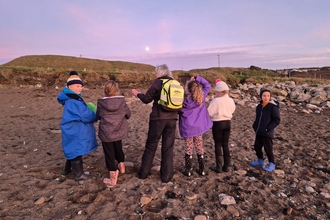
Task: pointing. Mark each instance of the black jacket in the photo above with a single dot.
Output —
(267, 119)
(153, 94)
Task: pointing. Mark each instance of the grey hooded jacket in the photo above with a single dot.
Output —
(113, 113)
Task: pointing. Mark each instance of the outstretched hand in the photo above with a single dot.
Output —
(135, 92)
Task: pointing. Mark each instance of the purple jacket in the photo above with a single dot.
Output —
(194, 119)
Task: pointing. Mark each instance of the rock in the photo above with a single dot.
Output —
(326, 195)
(191, 196)
(226, 200)
(200, 217)
(156, 168)
(232, 210)
(327, 186)
(309, 189)
(128, 164)
(279, 172)
(328, 205)
(40, 201)
(145, 200)
(289, 211)
(240, 172)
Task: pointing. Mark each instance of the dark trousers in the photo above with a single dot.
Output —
(221, 134)
(113, 151)
(164, 129)
(267, 143)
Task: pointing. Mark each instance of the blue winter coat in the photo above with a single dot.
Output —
(78, 132)
(194, 119)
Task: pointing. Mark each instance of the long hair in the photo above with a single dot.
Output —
(163, 70)
(196, 91)
(111, 88)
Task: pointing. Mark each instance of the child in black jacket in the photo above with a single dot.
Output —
(267, 119)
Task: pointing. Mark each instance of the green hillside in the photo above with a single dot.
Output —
(53, 70)
(76, 63)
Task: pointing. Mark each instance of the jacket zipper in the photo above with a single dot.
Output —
(259, 121)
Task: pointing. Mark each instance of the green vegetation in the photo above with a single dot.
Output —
(51, 70)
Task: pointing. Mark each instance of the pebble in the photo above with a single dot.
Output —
(200, 217)
(279, 172)
(128, 164)
(289, 211)
(232, 210)
(240, 172)
(226, 200)
(145, 200)
(326, 195)
(40, 201)
(191, 196)
(328, 205)
(309, 189)
(80, 212)
(155, 168)
(327, 186)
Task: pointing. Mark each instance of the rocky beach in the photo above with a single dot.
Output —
(31, 186)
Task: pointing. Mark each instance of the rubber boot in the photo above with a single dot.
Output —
(187, 168)
(200, 158)
(218, 164)
(121, 167)
(226, 164)
(112, 181)
(66, 169)
(78, 170)
(258, 163)
(270, 167)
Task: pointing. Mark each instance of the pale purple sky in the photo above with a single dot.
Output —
(185, 34)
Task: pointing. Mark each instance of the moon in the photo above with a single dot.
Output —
(147, 48)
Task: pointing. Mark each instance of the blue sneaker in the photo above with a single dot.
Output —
(258, 163)
(270, 167)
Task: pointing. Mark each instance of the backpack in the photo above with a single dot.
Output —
(171, 95)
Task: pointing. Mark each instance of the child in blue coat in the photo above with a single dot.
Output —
(78, 132)
(194, 121)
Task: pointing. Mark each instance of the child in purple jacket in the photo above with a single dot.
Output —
(194, 121)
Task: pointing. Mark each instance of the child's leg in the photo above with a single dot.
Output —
(109, 155)
(225, 144)
(189, 146)
(217, 137)
(188, 157)
(268, 144)
(119, 155)
(258, 144)
(198, 142)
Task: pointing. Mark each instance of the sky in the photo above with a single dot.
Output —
(184, 34)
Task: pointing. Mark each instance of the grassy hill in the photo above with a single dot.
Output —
(53, 70)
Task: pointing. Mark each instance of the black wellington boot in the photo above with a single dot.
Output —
(187, 168)
(78, 170)
(201, 164)
(226, 164)
(218, 164)
(66, 169)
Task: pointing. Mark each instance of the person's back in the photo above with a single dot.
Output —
(194, 121)
(162, 124)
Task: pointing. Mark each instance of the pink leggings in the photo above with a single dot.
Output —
(198, 142)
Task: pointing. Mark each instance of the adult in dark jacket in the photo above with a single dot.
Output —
(162, 124)
(267, 119)
(113, 113)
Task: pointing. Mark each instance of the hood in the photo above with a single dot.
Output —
(112, 103)
(67, 94)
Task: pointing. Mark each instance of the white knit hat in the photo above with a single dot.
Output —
(221, 86)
